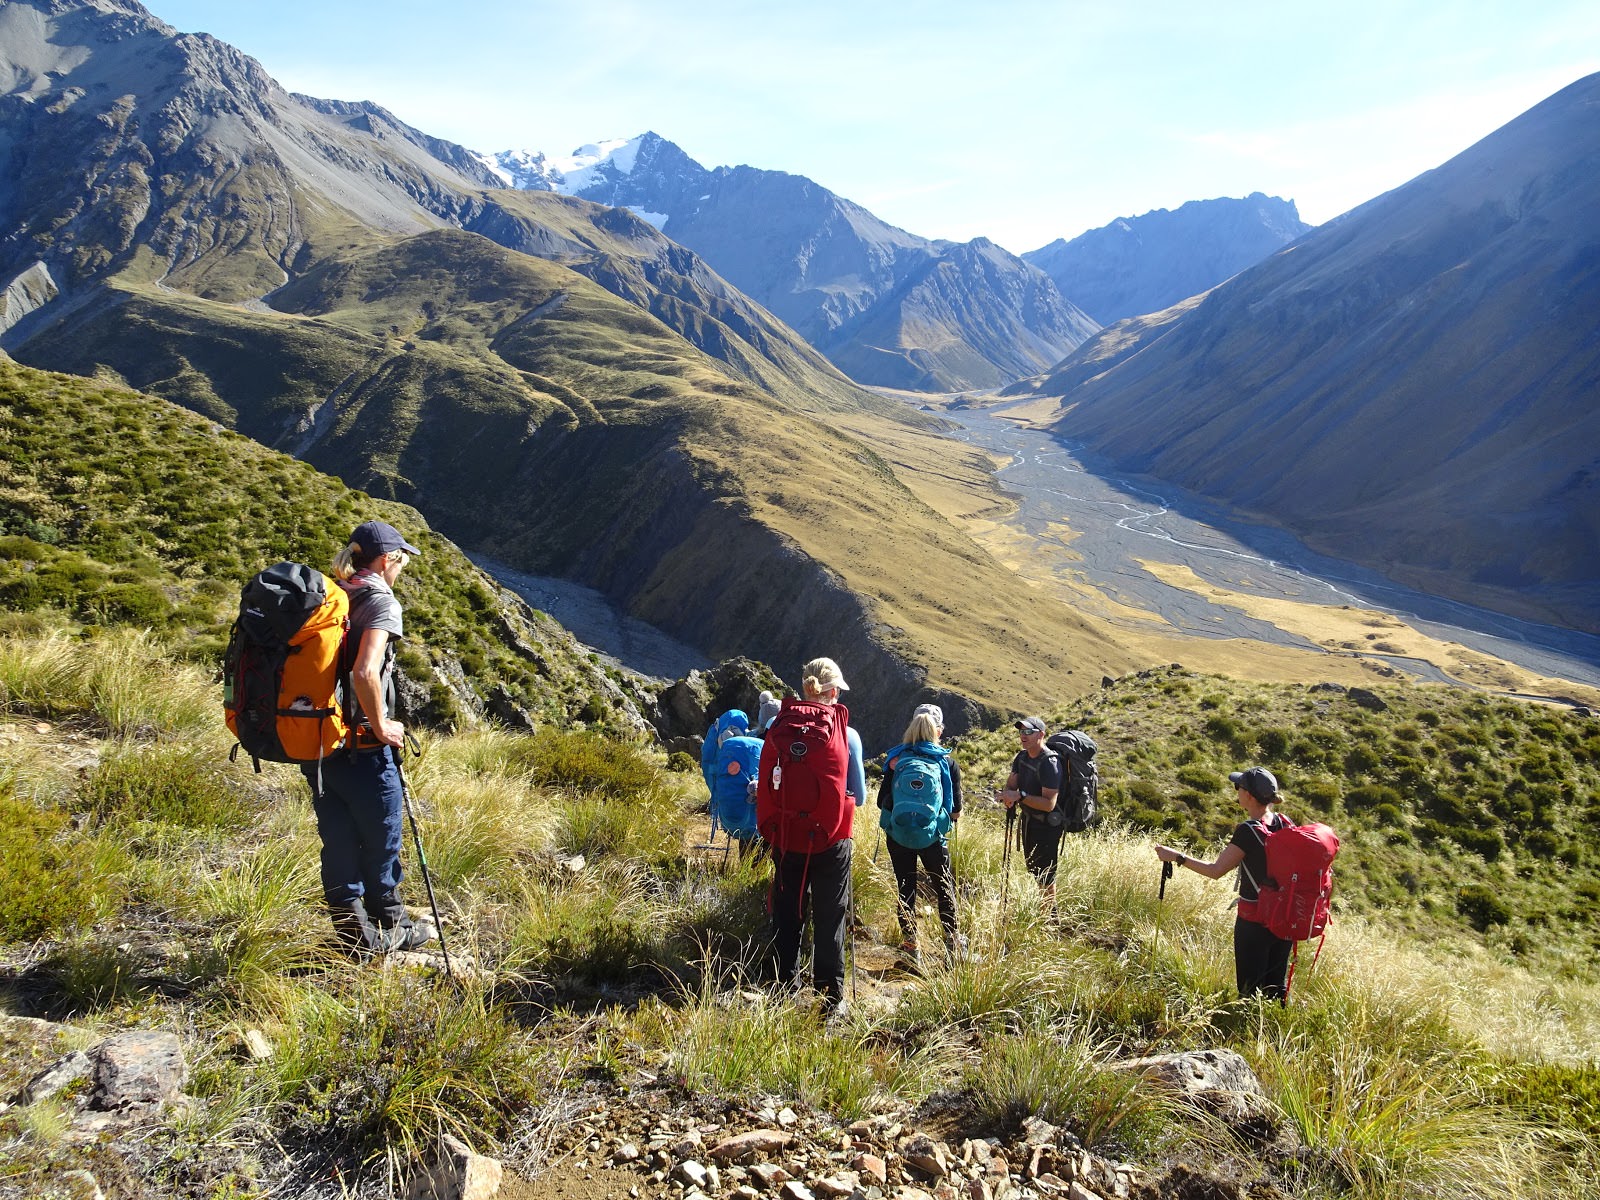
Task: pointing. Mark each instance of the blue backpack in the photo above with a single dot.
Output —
(920, 815)
(738, 760)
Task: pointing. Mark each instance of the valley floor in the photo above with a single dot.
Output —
(1183, 580)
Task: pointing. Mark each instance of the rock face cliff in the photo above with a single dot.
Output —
(1143, 264)
(886, 306)
(1411, 386)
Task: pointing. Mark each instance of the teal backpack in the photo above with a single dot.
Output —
(920, 815)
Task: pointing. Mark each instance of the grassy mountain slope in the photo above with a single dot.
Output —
(122, 508)
(537, 418)
(613, 984)
(1458, 811)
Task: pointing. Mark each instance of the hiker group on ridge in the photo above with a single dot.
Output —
(309, 679)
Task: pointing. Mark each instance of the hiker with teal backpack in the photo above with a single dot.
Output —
(357, 793)
(810, 783)
(919, 803)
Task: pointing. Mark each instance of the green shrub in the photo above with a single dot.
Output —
(1320, 794)
(682, 762)
(1487, 843)
(1200, 779)
(1370, 796)
(585, 761)
(1221, 729)
(1360, 760)
(52, 880)
(1481, 906)
(1559, 1095)
(1541, 843)
(174, 785)
(1273, 743)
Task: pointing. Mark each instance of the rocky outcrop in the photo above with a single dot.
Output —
(27, 293)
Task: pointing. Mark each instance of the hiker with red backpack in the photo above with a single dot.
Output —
(811, 781)
(1284, 881)
(357, 792)
(919, 803)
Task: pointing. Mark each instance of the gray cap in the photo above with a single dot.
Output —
(931, 710)
(1031, 724)
(1258, 781)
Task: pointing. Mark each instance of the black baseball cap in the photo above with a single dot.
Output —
(1258, 781)
(1031, 725)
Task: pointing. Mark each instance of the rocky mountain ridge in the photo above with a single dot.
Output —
(1144, 264)
(886, 306)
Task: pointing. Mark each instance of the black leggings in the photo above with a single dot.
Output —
(1260, 960)
(936, 860)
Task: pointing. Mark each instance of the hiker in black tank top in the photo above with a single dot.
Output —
(1260, 959)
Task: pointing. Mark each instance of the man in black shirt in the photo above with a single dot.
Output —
(1032, 786)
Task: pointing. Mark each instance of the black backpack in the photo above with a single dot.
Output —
(1078, 799)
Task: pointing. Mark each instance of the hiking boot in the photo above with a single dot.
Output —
(910, 956)
(955, 949)
(392, 938)
(352, 927)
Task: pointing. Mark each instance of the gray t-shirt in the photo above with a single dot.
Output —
(373, 606)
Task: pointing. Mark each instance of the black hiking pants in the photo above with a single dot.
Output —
(935, 859)
(1260, 960)
(818, 884)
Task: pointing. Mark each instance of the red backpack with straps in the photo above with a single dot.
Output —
(1292, 900)
(801, 801)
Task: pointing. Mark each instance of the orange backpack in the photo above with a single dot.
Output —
(284, 670)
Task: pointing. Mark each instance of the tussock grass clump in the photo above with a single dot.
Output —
(730, 1043)
(123, 680)
(53, 879)
(1058, 1075)
(379, 1070)
(604, 925)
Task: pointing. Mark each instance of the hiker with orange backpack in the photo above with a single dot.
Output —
(810, 783)
(1274, 914)
(357, 793)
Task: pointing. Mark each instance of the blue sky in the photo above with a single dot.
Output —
(1019, 120)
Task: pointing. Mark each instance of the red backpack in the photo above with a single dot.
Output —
(1292, 901)
(801, 802)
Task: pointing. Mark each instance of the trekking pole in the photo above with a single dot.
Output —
(1005, 864)
(1161, 903)
(850, 930)
(422, 859)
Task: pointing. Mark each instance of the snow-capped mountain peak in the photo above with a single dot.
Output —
(568, 174)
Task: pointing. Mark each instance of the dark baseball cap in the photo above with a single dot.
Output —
(1031, 725)
(380, 537)
(1258, 781)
